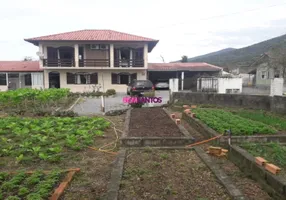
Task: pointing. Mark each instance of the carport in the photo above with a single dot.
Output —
(190, 71)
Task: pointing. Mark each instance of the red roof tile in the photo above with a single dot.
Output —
(93, 35)
(182, 66)
(20, 66)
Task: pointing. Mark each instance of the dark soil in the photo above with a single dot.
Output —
(168, 174)
(153, 122)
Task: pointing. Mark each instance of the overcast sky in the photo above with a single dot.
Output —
(184, 27)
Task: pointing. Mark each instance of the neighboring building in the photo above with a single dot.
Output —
(192, 71)
(81, 59)
(264, 70)
(20, 74)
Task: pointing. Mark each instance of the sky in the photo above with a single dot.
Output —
(183, 27)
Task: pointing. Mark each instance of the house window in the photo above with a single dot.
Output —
(263, 75)
(228, 91)
(276, 74)
(82, 78)
(3, 80)
(28, 79)
(122, 78)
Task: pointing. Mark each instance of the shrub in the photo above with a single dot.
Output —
(65, 114)
(110, 92)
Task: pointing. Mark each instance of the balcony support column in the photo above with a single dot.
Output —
(145, 54)
(41, 50)
(111, 55)
(76, 57)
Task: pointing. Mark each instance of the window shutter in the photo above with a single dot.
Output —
(93, 78)
(71, 78)
(134, 76)
(87, 77)
(114, 78)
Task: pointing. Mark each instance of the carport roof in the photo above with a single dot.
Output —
(20, 66)
(183, 67)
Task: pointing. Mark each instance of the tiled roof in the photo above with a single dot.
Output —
(93, 35)
(20, 66)
(182, 66)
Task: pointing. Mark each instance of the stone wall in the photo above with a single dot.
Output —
(274, 185)
(276, 104)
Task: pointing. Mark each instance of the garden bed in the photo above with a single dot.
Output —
(168, 174)
(33, 102)
(152, 122)
(153, 127)
(272, 152)
(34, 186)
(84, 185)
(221, 121)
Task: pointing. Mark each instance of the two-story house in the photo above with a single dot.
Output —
(79, 60)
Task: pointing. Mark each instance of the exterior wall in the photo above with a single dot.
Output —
(95, 54)
(104, 78)
(269, 74)
(3, 88)
(229, 83)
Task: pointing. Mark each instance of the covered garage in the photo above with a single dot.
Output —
(191, 72)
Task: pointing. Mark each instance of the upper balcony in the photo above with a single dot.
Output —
(95, 55)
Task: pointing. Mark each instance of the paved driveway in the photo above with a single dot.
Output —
(92, 105)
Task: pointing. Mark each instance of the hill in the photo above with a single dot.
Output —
(239, 58)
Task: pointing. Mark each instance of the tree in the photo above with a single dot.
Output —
(184, 59)
(28, 58)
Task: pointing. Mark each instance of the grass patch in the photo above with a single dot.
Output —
(221, 121)
(28, 139)
(273, 152)
(36, 186)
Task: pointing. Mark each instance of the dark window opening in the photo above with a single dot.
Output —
(125, 54)
(123, 79)
(70, 78)
(94, 78)
(28, 79)
(3, 80)
(82, 78)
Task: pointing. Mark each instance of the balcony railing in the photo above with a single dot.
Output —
(58, 62)
(129, 63)
(94, 63)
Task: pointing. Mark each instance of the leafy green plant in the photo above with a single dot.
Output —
(46, 138)
(221, 121)
(23, 191)
(13, 198)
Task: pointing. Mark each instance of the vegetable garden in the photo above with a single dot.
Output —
(29, 100)
(35, 186)
(221, 121)
(46, 138)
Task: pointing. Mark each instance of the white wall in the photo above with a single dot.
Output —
(276, 88)
(229, 83)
